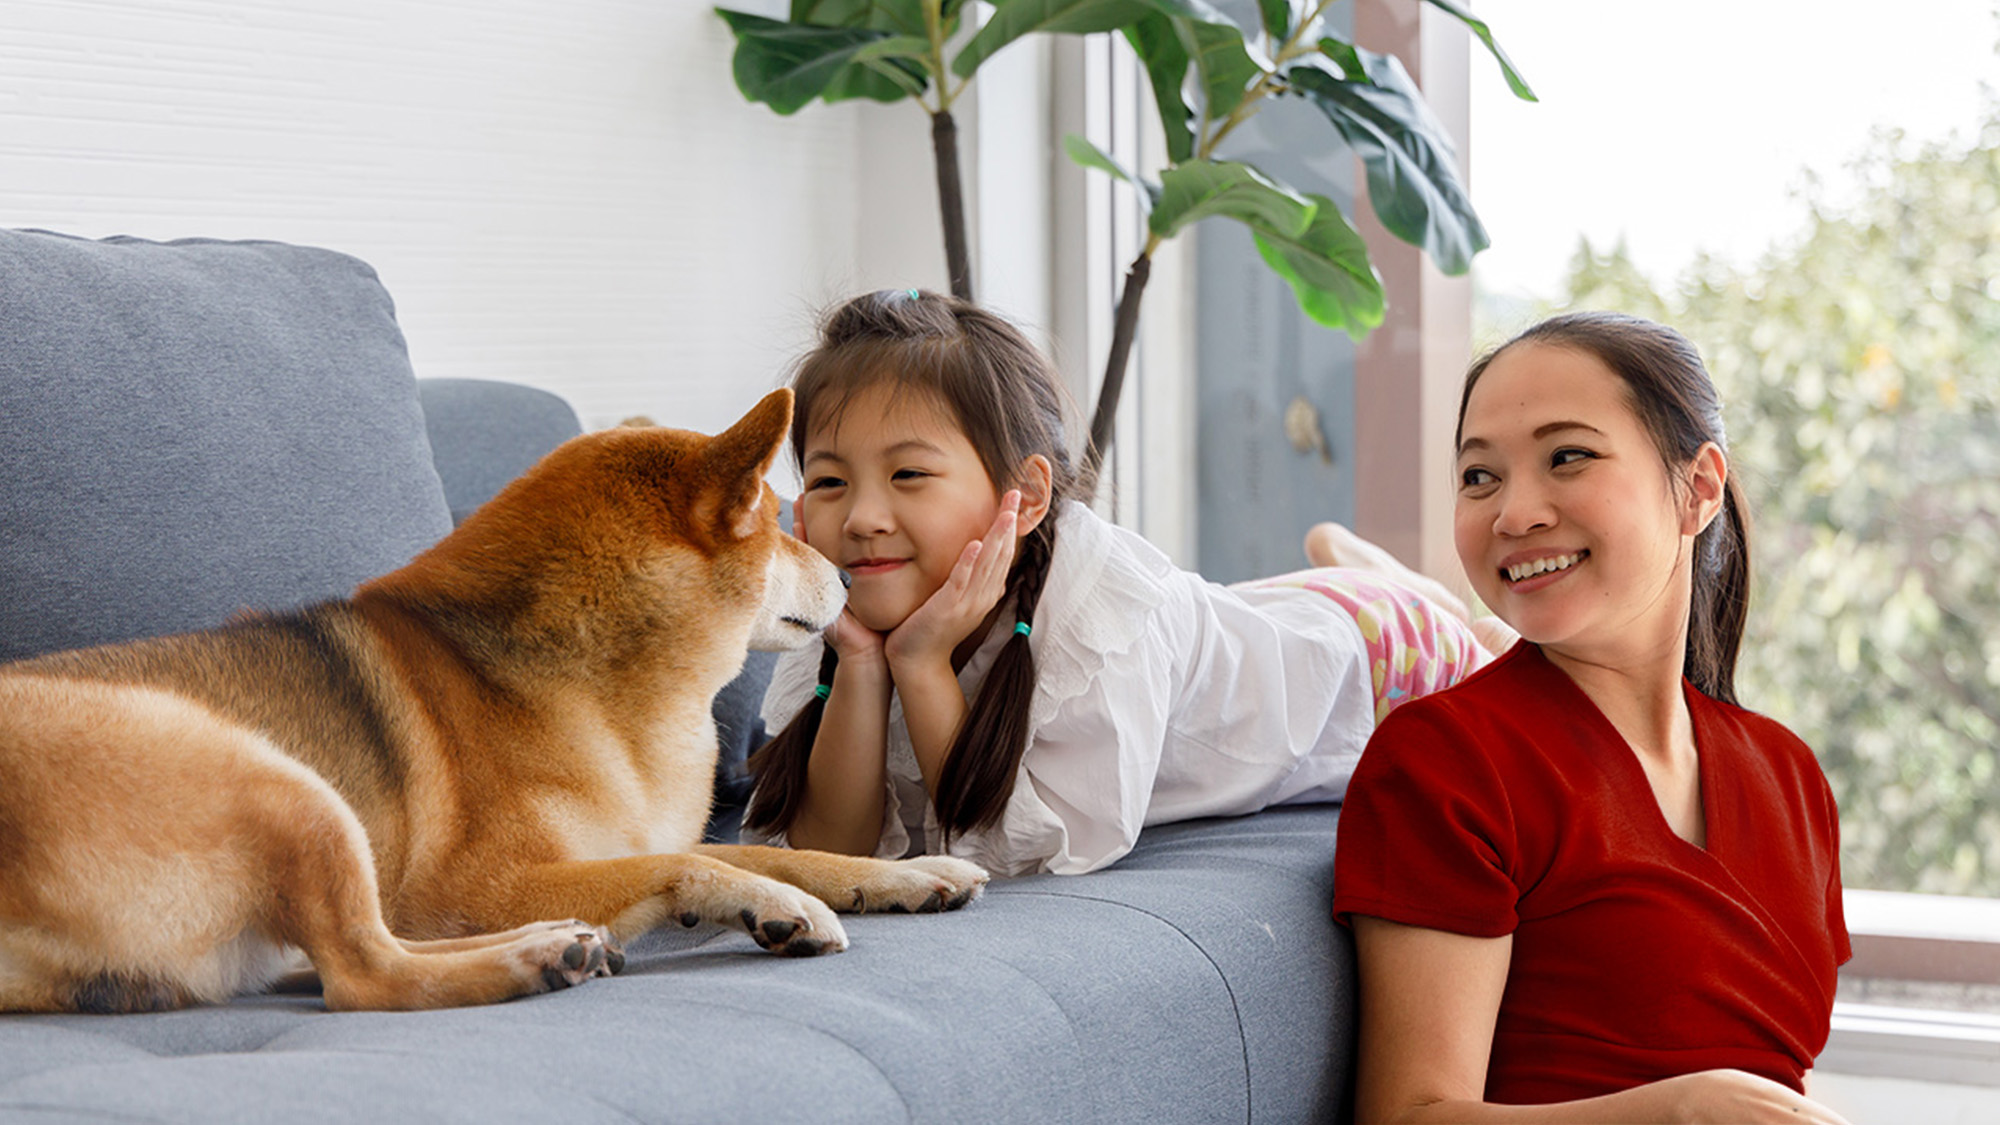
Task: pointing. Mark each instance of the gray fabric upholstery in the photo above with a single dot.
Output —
(1199, 980)
(485, 433)
(194, 428)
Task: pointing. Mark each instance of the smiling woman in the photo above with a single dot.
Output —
(1603, 888)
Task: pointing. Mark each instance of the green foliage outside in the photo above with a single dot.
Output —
(1860, 368)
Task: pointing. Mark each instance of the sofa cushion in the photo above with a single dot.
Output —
(1200, 979)
(194, 428)
(484, 433)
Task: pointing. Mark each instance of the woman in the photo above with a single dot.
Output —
(1584, 885)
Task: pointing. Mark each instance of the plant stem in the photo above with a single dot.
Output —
(944, 153)
(940, 74)
(951, 204)
(1124, 330)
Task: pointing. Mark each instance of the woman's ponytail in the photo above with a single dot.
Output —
(1721, 604)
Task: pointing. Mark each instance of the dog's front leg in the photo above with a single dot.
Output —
(634, 894)
(921, 885)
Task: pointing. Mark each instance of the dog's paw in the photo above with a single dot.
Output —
(569, 953)
(923, 885)
(787, 921)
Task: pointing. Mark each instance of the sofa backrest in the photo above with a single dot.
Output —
(193, 428)
(484, 433)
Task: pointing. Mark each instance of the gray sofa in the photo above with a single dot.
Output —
(192, 428)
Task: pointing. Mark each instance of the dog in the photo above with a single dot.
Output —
(407, 785)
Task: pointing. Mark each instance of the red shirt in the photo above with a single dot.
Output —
(1510, 805)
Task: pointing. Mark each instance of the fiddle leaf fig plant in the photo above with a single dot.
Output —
(883, 50)
(1208, 76)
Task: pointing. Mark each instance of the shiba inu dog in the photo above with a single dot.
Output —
(408, 784)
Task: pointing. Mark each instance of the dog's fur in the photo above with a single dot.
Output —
(402, 784)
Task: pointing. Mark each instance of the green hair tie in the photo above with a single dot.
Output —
(1023, 628)
(914, 295)
(822, 691)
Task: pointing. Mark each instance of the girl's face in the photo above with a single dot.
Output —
(1568, 524)
(893, 493)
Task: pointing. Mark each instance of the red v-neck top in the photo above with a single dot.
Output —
(1510, 805)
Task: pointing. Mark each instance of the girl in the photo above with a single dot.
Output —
(1584, 881)
(1016, 681)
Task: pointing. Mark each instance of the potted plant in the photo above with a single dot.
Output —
(1208, 76)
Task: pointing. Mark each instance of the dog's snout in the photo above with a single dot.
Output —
(846, 581)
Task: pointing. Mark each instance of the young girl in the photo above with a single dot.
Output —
(1016, 681)
(1583, 880)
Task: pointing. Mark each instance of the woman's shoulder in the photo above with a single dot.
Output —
(1753, 725)
(1513, 686)
(1511, 721)
(1462, 721)
(1772, 745)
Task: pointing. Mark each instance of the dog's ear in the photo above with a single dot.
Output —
(734, 462)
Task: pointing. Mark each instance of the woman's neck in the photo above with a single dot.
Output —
(1640, 693)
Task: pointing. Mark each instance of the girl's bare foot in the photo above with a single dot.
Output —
(1330, 544)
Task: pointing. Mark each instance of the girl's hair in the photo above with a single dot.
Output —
(1675, 399)
(1010, 404)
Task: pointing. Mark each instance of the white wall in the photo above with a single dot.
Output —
(567, 193)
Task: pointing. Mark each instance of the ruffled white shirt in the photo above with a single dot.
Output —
(1159, 696)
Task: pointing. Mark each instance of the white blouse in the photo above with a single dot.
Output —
(1159, 696)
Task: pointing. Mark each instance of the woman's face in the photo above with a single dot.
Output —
(1567, 522)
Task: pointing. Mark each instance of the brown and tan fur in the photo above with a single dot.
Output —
(405, 784)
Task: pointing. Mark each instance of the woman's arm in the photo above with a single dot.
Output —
(841, 809)
(1429, 1003)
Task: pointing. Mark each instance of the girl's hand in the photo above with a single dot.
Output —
(856, 644)
(966, 598)
(1734, 1095)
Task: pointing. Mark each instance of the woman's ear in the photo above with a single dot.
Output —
(1036, 480)
(1707, 479)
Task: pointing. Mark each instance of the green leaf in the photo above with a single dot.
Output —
(1412, 167)
(786, 65)
(1165, 57)
(1193, 191)
(1224, 65)
(904, 17)
(894, 47)
(1089, 155)
(1514, 80)
(1328, 268)
(901, 59)
(1014, 18)
(1281, 16)
(1346, 57)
